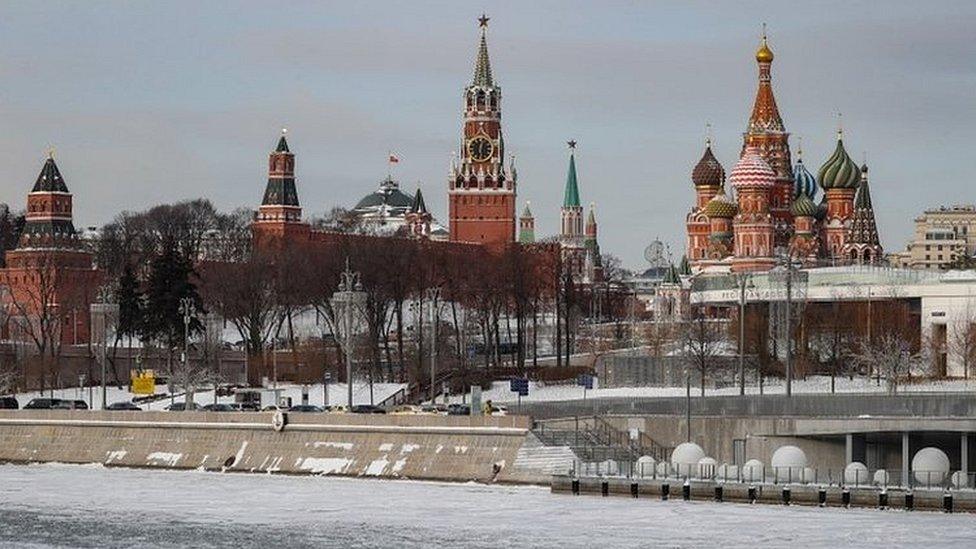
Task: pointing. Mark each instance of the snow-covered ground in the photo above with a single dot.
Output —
(92, 506)
(337, 395)
(539, 392)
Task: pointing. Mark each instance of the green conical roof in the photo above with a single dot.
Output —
(863, 199)
(482, 68)
(526, 212)
(671, 276)
(282, 145)
(571, 198)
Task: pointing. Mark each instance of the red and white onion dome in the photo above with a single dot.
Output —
(752, 171)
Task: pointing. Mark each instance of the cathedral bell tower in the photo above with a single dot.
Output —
(481, 191)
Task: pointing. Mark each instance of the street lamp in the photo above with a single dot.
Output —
(348, 298)
(103, 315)
(189, 310)
(433, 295)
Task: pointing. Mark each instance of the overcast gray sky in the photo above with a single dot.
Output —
(155, 102)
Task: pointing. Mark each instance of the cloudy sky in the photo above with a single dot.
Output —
(154, 102)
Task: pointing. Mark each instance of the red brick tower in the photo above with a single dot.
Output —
(839, 177)
(481, 193)
(754, 182)
(708, 177)
(280, 215)
(767, 134)
(50, 274)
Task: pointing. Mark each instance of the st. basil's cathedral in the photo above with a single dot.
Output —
(774, 214)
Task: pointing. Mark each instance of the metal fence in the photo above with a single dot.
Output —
(855, 478)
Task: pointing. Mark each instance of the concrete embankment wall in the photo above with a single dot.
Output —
(431, 447)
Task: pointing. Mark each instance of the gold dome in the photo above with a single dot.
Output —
(764, 54)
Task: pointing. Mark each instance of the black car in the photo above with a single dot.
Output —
(367, 409)
(459, 410)
(305, 408)
(9, 403)
(42, 403)
(181, 407)
(124, 405)
(71, 405)
(218, 408)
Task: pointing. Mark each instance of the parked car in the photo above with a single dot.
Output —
(498, 410)
(42, 403)
(217, 408)
(245, 407)
(272, 408)
(305, 408)
(367, 409)
(70, 405)
(407, 410)
(337, 409)
(459, 410)
(434, 409)
(9, 403)
(181, 407)
(123, 405)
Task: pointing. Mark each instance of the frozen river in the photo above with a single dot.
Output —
(89, 506)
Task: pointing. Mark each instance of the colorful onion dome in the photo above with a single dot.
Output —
(839, 171)
(804, 206)
(803, 181)
(708, 172)
(721, 206)
(752, 171)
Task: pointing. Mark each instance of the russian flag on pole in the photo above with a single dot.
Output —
(394, 158)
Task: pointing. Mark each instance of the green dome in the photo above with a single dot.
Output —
(803, 206)
(721, 206)
(839, 171)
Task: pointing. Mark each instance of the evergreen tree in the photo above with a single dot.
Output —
(171, 277)
(130, 300)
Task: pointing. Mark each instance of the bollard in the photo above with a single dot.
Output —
(882, 500)
(686, 491)
(718, 493)
(822, 497)
(576, 489)
(845, 497)
(605, 488)
(947, 502)
(909, 501)
(786, 495)
(633, 489)
(752, 494)
(665, 491)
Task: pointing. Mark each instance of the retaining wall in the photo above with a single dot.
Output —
(453, 448)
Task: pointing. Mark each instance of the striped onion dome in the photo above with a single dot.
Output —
(804, 206)
(721, 206)
(708, 172)
(752, 171)
(839, 171)
(803, 181)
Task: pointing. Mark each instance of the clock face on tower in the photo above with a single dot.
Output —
(479, 149)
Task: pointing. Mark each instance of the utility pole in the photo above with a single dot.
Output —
(742, 333)
(789, 330)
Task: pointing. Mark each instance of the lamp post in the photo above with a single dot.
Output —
(103, 314)
(348, 297)
(433, 295)
(189, 310)
(743, 280)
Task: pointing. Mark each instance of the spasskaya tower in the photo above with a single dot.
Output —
(481, 190)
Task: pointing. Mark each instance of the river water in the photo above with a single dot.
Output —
(93, 506)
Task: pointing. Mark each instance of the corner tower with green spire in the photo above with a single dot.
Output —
(572, 238)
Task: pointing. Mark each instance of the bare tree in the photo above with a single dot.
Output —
(702, 341)
(962, 339)
(888, 355)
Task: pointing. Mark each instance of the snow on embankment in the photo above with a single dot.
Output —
(455, 448)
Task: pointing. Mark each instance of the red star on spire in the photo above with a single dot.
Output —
(483, 20)
(571, 143)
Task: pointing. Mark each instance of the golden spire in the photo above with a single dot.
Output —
(764, 54)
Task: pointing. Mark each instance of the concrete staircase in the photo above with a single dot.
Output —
(536, 457)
